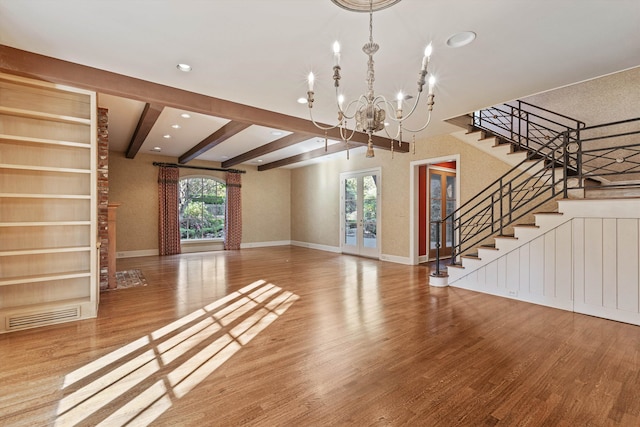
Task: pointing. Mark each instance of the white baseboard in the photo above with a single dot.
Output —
(135, 254)
(396, 259)
(264, 244)
(326, 248)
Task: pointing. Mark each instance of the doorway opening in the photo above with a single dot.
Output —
(360, 213)
(435, 194)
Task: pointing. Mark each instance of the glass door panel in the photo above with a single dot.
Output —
(442, 201)
(360, 193)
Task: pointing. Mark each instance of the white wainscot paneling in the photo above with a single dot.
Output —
(628, 265)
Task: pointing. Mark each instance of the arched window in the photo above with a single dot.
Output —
(202, 208)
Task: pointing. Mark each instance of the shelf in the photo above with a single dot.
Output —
(43, 223)
(43, 278)
(45, 251)
(18, 112)
(43, 168)
(26, 139)
(44, 196)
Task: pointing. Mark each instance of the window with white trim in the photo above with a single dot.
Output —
(202, 206)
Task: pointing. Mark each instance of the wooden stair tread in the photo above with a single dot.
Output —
(548, 213)
(505, 236)
(491, 246)
(526, 225)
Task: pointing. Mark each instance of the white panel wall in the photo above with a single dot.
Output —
(609, 266)
(587, 264)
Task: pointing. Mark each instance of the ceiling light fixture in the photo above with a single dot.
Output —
(369, 111)
(167, 136)
(176, 126)
(185, 115)
(184, 67)
(461, 39)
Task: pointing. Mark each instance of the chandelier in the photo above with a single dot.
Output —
(370, 112)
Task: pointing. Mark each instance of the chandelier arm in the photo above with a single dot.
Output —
(344, 130)
(423, 126)
(395, 136)
(320, 126)
(361, 100)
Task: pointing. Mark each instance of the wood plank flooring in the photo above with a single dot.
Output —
(296, 337)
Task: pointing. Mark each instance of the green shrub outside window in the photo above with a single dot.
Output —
(202, 208)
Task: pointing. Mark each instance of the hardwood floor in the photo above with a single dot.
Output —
(292, 336)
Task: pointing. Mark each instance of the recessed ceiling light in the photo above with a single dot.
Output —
(156, 149)
(302, 100)
(167, 136)
(276, 133)
(461, 39)
(176, 126)
(184, 67)
(259, 160)
(185, 115)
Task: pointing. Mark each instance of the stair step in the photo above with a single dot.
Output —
(471, 256)
(506, 236)
(456, 266)
(489, 246)
(548, 213)
(526, 225)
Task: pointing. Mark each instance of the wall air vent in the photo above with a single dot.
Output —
(42, 318)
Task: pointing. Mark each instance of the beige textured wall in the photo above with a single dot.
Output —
(133, 182)
(315, 190)
(603, 100)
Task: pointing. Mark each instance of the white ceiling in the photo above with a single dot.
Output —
(259, 52)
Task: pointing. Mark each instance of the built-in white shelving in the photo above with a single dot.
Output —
(48, 204)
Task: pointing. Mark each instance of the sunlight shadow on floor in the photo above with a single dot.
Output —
(138, 382)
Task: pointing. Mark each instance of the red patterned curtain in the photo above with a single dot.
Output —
(169, 218)
(233, 220)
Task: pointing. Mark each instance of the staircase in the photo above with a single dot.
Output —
(562, 227)
(553, 157)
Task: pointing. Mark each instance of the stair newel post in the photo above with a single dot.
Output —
(579, 157)
(510, 199)
(493, 213)
(513, 130)
(439, 225)
(501, 200)
(565, 169)
(455, 228)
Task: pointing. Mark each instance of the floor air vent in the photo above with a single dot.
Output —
(32, 320)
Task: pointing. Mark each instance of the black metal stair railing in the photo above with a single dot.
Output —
(524, 125)
(607, 154)
(527, 186)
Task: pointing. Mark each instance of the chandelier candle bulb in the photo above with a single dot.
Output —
(310, 79)
(427, 56)
(336, 54)
(432, 83)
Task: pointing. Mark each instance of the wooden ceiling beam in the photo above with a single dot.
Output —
(148, 118)
(55, 70)
(219, 136)
(313, 154)
(278, 144)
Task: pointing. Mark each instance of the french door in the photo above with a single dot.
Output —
(359, 213)
(442, 201)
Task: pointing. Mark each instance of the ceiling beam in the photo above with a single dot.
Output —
(278, 144)
(219, 136)
(313, 154)
(55, 70)
(148, 118)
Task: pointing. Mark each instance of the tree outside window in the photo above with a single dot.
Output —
(202, 208)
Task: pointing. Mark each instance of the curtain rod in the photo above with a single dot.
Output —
(198, 167)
